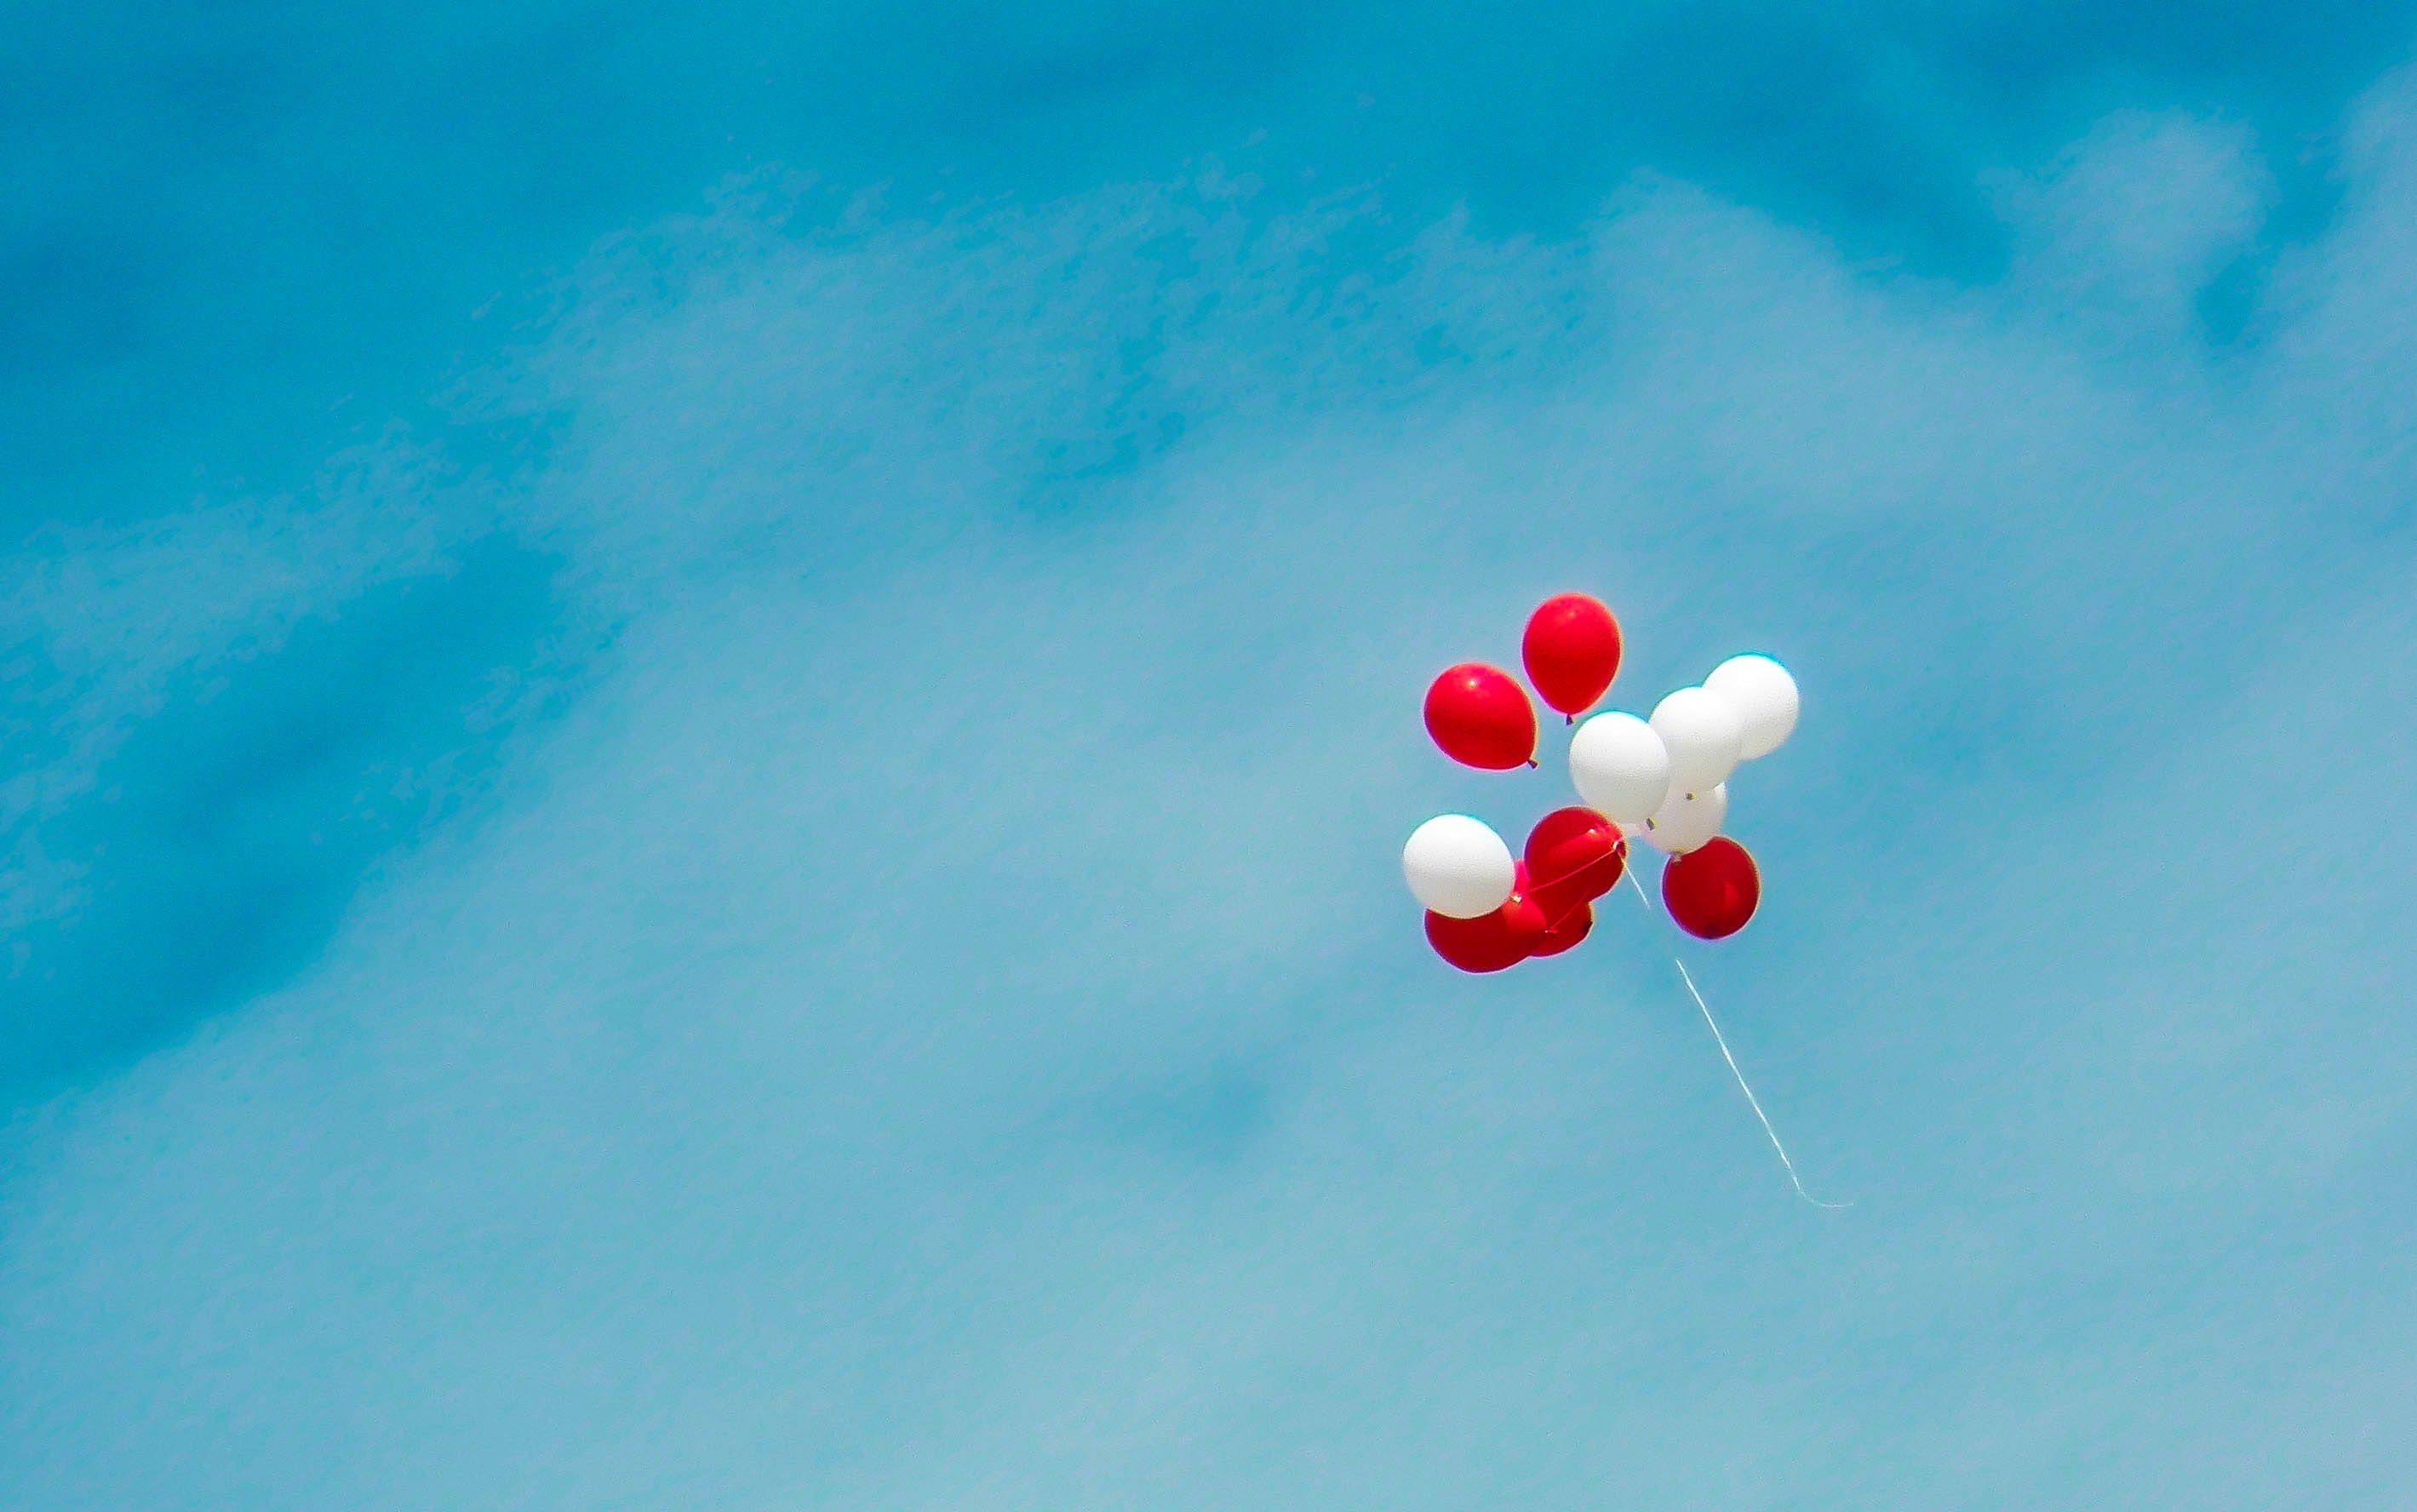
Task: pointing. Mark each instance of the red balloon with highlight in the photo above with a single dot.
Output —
(1711, 892)
(1572, 652)
(1573, 856)
(1481, 718)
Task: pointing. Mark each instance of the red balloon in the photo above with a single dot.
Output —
(1481, 718)
(1490, 942)
(1566, 933)
(1711, 892)
(1571, 650)
(1573, 856)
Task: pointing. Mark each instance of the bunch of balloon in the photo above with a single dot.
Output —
(1660, 779)
(1664, 780)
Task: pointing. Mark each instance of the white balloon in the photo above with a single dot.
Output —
(1458, 866)
(1701, 732)
(1687, 821)
(1620, 767)
(1764, 698)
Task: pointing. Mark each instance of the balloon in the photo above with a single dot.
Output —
(1764, 698)
(1481, 718)
(1565, 933)
(1524, 916)
(1686, 820)
(1712, 893)
(1494, 943)
(1458, 866)
(1702, 733)
(1572, 652)
(1620, 766)
(1574, 857)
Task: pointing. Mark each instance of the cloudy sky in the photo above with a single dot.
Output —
(708, 722)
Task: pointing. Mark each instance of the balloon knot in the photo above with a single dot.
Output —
(1531, 763)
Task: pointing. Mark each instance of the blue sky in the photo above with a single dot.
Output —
(709, 723)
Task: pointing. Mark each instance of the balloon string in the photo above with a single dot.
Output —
(1721, 1040)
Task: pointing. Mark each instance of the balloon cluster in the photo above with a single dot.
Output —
(1662, 779)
